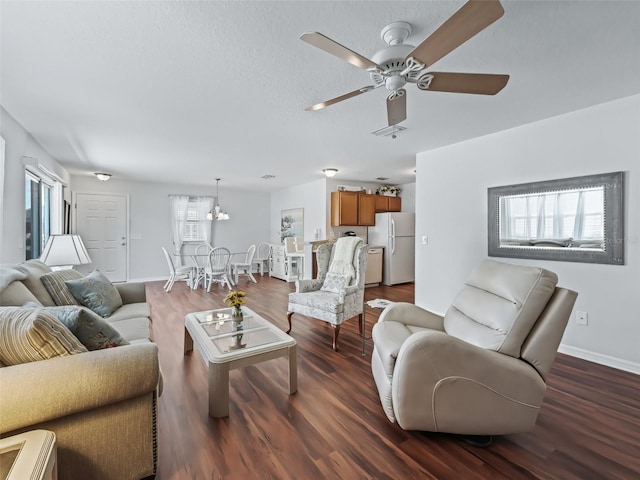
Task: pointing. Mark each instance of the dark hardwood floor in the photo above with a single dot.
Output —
(334, 426)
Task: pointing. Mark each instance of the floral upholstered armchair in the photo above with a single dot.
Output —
(337, 294)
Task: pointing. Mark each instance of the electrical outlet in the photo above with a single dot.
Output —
(425, 239)
(582, 318)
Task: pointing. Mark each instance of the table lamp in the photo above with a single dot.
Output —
(65, 251)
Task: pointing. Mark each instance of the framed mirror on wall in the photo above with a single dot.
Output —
(578, 219)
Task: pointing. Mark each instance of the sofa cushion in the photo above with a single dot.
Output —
(93, 331)
(36, 269)
(54, 283)
(96, 292)
(131, 310)
(133, 328)
(33, 334)
(17, 294)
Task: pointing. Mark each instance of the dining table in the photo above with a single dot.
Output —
(200, 262)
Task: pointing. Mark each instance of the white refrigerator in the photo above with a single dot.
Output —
(396, 233)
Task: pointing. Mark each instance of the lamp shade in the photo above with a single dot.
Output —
(64, 250)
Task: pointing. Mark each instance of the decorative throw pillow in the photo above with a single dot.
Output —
(96, 292)
(334, 283)
(32, 334)
(54, 283)
(93, 331)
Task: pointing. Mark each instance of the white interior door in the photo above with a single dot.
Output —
(101, 221)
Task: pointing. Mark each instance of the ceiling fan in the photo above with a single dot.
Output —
(399, 63)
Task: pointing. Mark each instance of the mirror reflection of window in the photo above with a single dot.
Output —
(566, 218)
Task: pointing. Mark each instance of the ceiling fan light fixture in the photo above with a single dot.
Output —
(103, 177)
(330, 172)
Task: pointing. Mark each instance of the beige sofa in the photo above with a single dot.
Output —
(102, 404)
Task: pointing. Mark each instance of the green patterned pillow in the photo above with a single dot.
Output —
(33, 334)
(93, 331)
(54, 283)
(96, 292)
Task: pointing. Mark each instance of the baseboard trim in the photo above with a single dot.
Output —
(600, 358)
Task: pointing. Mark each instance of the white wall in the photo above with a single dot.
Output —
(150, 219)
(310, 197)
(20, 148)
(451, 206)
(408, 195)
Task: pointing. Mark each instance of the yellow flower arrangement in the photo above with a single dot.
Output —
(235, 299)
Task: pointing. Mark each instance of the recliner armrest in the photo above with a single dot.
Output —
(410, 314)
(435, 371)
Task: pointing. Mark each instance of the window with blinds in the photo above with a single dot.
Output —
(192, 229)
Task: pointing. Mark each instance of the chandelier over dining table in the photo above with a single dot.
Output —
(217, 213)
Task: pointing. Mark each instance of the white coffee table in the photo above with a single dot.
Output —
(30, 455)
(225, 345)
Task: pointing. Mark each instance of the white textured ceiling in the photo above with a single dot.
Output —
(188, 91)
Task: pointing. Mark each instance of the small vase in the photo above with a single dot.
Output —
(236, 315)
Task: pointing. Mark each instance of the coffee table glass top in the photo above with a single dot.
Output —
(231, 337)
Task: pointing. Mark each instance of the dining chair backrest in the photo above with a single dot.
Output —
(263, 251)
(248, 259)
(219, 259)
(172, 268)
(201, 253)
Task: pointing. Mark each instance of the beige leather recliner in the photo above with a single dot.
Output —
(480, 369)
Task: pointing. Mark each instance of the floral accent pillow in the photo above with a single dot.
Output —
(93, 331)
(96, 292)
(334, 283)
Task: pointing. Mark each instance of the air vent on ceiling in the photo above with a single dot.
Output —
(268, 177)
(386, 131)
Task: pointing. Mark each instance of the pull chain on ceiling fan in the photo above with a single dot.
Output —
(399, 63)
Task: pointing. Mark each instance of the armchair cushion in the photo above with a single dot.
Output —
(318, 300)
(334, 282)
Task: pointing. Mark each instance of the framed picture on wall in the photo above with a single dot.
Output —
(292, 223)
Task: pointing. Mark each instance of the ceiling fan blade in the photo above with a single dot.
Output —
(327, 103)
(478, 83)
(397, 107)
(473, 17)
(334, 48)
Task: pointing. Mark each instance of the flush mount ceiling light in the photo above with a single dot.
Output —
(103, 177)
(217, 213)
(330, 172)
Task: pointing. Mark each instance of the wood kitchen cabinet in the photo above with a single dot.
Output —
(353, 208)
(388, 204)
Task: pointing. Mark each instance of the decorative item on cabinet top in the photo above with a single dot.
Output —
(388, 190)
